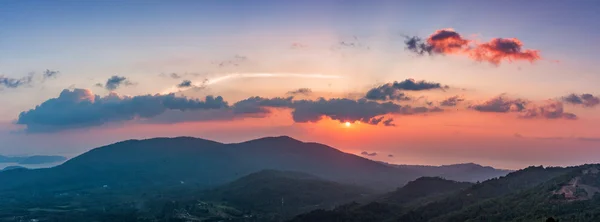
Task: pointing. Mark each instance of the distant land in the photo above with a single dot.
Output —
(470, 172)
(12, 168)
(36, 159)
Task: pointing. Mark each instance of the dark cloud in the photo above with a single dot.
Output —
(393, 91)
(551, 110)
(339, 109)
(257, 105)
(185, 84)
(586, 100)
(99, 85)
(174, 75)
(301, 91)
(342, 110)
(451, 101)
(447, 41)
(416, 45)
(81, 108)
(501, 104)
(389, 122)
(7, 82)
(390, 155)
(365, 153)
(115, 82)
(47, 74)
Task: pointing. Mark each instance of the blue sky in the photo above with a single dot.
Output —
(144, 41)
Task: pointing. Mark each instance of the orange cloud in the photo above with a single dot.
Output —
(448, 41)
(499, 49)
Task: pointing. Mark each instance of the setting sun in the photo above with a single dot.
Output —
(347, 124)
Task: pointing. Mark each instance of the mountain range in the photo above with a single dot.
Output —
(36, 159)
(280, 178)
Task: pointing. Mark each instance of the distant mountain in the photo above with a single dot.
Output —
(160, 162)
(469, 172)
(37, 159)
(12, 168)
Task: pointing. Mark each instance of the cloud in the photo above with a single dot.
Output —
(443, 41)
(115, 82)
(354, 44)
(499, 49)
(174, 75)
(297, 45)
(257, 105)
(79, 108)
(586, 100)
(451, 101)
(235, 61)
(393, 91)
(365, 153)
(13, 83)
(339, 109)
(450, 42)
(390, 155)
(550, 110)
(185, 84)
(501, 104)
(301, 91)
(47, 74)
(389, 122)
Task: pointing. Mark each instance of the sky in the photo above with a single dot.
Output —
(508, 84)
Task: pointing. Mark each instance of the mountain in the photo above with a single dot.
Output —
(37, 159)
(389, 205)
(574, 196)
(273, 191)
(454, 205)
(135, 165)
(469, 172)
(423, 188)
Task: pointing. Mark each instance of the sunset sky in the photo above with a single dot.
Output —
(505, 83)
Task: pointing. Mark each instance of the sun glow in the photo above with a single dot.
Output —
(347, 124)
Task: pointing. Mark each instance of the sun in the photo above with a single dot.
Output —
(347, 124)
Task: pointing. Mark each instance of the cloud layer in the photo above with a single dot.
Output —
(81, 108)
